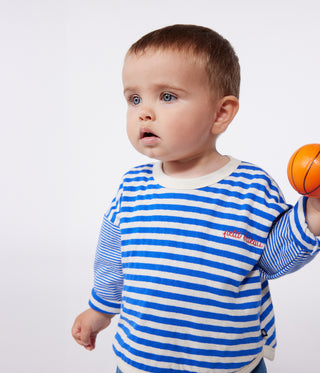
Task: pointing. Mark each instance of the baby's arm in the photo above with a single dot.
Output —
(293, 240)
(313, 215)
(105, 299)
(87, 326)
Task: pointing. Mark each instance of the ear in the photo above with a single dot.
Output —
(227, 109)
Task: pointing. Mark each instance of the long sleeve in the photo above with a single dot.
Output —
(108, 279)
(290, 244)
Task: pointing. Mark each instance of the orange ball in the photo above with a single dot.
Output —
(304, 170)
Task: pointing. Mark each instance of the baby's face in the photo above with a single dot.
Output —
(171, 108)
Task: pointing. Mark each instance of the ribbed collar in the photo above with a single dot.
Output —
(193, 183)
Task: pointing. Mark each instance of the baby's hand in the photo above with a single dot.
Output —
(87, 326)
(313, 215)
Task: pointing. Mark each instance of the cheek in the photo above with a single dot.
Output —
(130, 127)
(192, 134)
(186, 125)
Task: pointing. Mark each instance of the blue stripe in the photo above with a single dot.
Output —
(270, 324)
(274, 187)
(197, 313)
(209, 200)
(208, 302)
(193, 286)
(188, 350)
(257, 186)
(182, 220)
(103, 301)
(137, 179)
(272, 338)
(185, 271)
(172, 359)
(98, 309)
(199, 210)
(186, 323)
(142, 187)
(140, 169)
(199, 235)
(191, 337)
(306, 238)
(266, 312)
(192, 247)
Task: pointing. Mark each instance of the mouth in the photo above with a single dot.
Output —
(148, 138)
(146, 132)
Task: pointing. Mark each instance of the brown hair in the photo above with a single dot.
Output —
(221, 61)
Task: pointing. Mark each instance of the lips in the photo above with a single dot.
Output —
(147, 133)
(148, 138)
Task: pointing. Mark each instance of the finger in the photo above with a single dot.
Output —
(76, 334)
(87, 338)
(93, 340)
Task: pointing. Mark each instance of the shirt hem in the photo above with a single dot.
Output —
(267, 352)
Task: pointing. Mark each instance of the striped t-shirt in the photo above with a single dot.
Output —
(186, 262)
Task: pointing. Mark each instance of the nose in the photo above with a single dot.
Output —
(146, 114)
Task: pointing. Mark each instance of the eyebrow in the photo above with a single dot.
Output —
(160, 87)
(129, 89)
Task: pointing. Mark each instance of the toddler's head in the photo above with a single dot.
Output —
(206, 46)
(181, 84)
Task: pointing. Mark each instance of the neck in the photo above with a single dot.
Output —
(195, 167)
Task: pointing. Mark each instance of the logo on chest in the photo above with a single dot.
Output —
(237, 235)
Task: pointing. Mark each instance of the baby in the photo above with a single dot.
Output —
(189, 242)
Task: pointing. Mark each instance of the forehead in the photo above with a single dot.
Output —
(164, 64)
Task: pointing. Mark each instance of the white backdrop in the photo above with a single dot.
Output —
(64, 149)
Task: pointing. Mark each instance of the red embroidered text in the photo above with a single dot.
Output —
(242, 237)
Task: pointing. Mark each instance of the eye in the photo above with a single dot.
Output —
(135, 99)
(168, 97)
